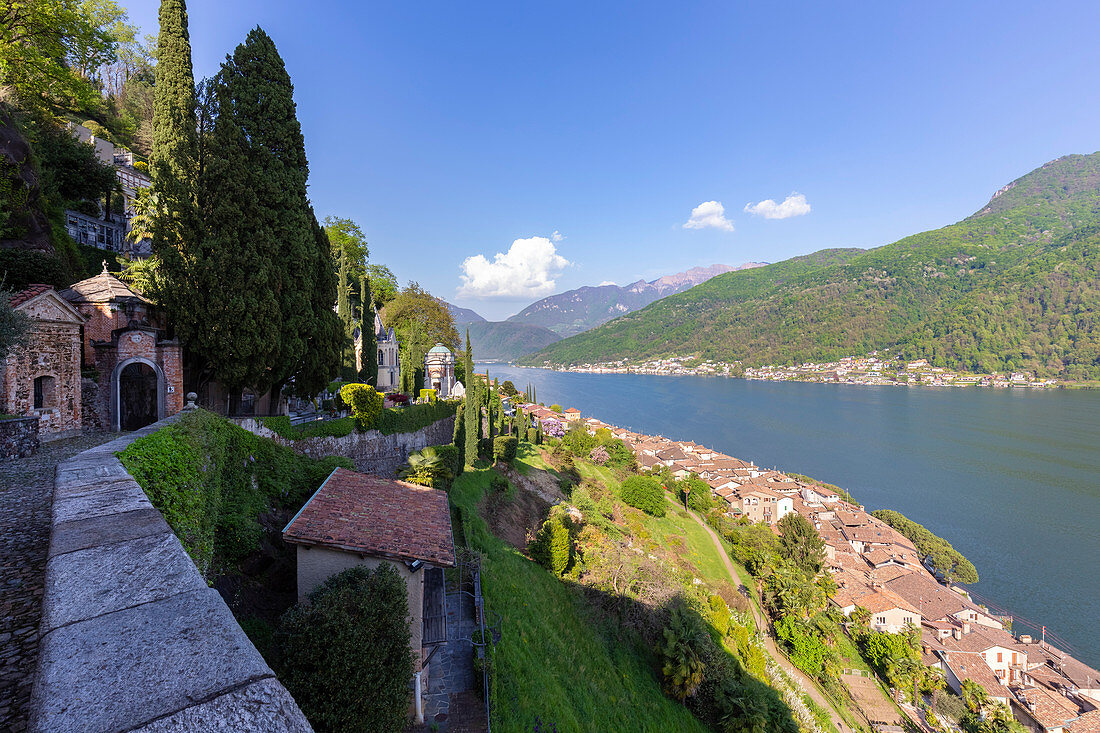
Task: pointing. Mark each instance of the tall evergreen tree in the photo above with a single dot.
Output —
(174, 166)
(368, 371)
(259, 266)
(343, 311)
(323, 351)
(472, 412)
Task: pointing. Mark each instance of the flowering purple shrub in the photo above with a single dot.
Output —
(552, 428)
(599, 455)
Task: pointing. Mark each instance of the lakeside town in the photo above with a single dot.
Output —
(874, 369)
(880, 575)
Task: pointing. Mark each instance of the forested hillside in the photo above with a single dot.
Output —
(1016, 286)
(507, 340)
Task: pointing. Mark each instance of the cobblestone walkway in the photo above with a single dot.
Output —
(26, 496)
(452, 698)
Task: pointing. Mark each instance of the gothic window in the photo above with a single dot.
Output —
(44, 396)
(381, 358)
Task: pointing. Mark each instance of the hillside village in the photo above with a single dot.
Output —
(874, 369)
(876, 568)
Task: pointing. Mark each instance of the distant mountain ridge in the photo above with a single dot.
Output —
(1013, 287)
(578, 310)
(505, 341)
(463, 315)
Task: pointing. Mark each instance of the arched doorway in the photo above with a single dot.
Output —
(137, 396)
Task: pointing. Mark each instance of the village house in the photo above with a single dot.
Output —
(358, 520)
(42, 377)
(763, 505)
(938, 603)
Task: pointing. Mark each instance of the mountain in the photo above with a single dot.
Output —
(1016, 286)
(575, 311)
(463, 315)
(504, 340)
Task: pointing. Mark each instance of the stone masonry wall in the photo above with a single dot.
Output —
(132, 639)
(18, 438)
(372, 452)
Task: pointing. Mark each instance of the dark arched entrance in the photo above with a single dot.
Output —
(137, 396)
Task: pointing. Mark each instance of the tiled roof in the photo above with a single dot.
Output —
(935, 601)
(1087, 723)
(32, 291)
(103, 288)
(358, 512)
(1049, 708)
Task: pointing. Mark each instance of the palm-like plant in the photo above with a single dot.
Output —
(146, 203)
(427, 468)
(682, 668)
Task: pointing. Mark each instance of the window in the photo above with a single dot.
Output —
(44, 396)
(381, 358)
(999, 659)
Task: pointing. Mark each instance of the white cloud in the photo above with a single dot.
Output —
(526, 270)
(607, 282)
(793, 205)
(709, 215)
(557, 236)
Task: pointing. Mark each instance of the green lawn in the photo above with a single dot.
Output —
(553, 667)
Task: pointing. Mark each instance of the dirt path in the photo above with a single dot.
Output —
(806, 683)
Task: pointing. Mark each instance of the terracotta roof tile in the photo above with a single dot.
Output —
(32, 291)
(358, 512)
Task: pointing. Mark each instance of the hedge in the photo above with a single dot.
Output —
(365, 403)
(393, 420)
(645, 493)
(504, 448)
(344, 655)
(211, 480)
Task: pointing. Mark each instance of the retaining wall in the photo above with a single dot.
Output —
(132, 638)
(372, 452)
(18, 438)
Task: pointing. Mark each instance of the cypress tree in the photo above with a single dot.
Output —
(322, 357)
(173, 165)
(261, 269)
(343, 297)
(368, 373)
(473, 407)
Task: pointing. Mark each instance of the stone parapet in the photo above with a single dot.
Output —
(132, 639)
(18, 438)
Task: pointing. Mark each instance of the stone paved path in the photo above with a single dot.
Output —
(26, 497)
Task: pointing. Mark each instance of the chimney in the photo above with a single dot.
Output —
(958, 633)
(1025, 639)
(966, 627)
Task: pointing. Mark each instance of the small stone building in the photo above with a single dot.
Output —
(42, 377)
(389, 365)
(357, 519)
(439, 370)
(140, 370)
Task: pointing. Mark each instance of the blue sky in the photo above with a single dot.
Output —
(450, 130)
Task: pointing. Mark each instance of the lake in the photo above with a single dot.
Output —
(1010, 477)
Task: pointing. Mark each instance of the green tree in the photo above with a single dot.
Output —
(368, 371)
(344, 655)
(343, 306)
(472, 412)
(678, 655)
(801, 543)
(13, 324)
(173, 166)
(321, 360)
(348, 242)
(419, 320)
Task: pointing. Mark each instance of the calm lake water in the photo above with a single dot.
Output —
(1010, 477)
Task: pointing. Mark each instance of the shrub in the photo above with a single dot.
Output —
(598, 455)
(678, 653)
(552, 428)
(414, 417)
(365, 403)
(429, 395)
(504, 449)
(498, 483)
(428, 467)
(532, 435)
(645, 493)
(485, 447)
(451, 456)
(345, 656)
(556, 408)
(338, 428)
(552, 547)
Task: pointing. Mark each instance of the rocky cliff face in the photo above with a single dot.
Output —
(23, 222)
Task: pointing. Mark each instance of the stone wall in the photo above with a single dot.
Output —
(372, 452)
(132, 638)
(18, 438)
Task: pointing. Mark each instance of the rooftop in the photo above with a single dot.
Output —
(32, 291)
(103, 288)
(357, 512)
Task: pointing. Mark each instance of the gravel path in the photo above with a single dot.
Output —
(26, 497)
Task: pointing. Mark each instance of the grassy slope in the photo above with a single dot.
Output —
(552, 665)
(1014, 286)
